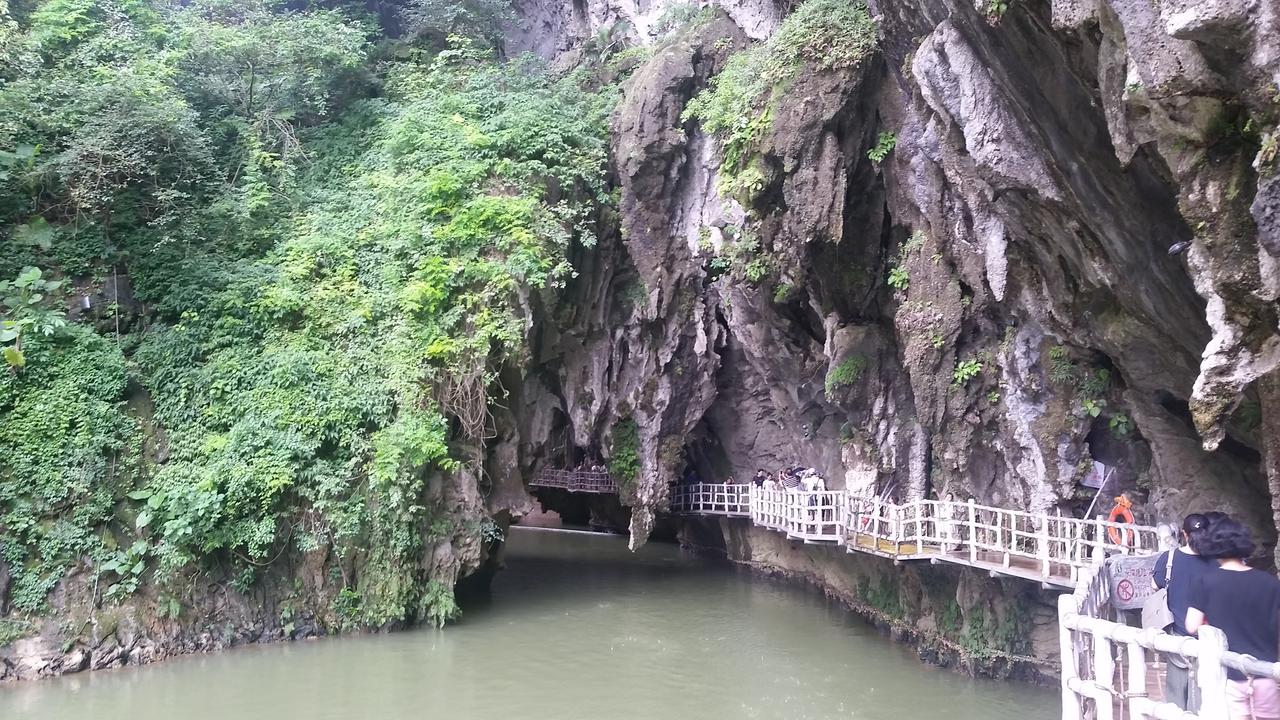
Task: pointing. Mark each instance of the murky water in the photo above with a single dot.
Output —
(576, 628)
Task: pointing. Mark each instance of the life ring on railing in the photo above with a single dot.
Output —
(1121, 514)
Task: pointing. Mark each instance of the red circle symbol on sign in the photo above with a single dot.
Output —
(1124, 589)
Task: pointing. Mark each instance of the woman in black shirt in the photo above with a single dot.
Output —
(1245, 605)
(1178, 576)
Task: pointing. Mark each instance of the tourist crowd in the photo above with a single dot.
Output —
(796, 477)
(1207, 581)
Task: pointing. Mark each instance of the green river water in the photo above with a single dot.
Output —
(576, 628)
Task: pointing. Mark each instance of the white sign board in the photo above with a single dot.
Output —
(1131, 580)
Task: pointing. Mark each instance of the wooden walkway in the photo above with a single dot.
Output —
(1049, 549)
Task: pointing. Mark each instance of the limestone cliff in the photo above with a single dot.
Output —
(1060, 267)
(1050, 162)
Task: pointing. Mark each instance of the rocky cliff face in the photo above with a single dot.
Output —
(1064, 271)
(995, 305)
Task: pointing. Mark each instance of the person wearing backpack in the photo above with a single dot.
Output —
(1175, 572)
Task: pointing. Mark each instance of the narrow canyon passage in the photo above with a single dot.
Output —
(576, 627)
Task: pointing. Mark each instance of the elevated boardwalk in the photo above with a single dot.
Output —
(1045, 548)
(1110, 670)
(597, 482)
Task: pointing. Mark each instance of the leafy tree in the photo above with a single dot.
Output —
(267, 72)
(434, 21)
(140, 152)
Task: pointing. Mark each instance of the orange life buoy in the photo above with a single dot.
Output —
(1121, 514)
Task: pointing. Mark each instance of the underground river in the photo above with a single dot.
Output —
(576, 627)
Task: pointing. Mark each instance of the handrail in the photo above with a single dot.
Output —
(712, 499)
(1091, 645)
(1049, 548)
(1105, 664)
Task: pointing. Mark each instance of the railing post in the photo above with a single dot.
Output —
(1104, 674)
(1211, 674)
(998, 520)
(1137, 659)
(1099, 539)
(840, 504)
(1071, 709)
(1043, 539)
(919, 526)
(1078, 528)
(973, 532)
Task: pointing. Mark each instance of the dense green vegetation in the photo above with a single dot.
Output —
(739, 106)
(845, 374)
(624, 456)
(326, 230)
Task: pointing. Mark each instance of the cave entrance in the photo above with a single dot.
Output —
(705, 458)
(588, 511)
(565, 507)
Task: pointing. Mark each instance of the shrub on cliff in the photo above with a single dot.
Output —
(738, 107)
(68, 451)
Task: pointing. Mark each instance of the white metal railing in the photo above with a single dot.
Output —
(803, 515)
(1107, 666)
(1048, 547)
(712, 499)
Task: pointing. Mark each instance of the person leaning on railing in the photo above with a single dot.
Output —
(1175, 572)
(1245, 605)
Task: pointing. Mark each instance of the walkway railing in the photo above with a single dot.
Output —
(1047, 548)
(1109, 668)
(808, 516)
(710, 499)
(585, 481)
